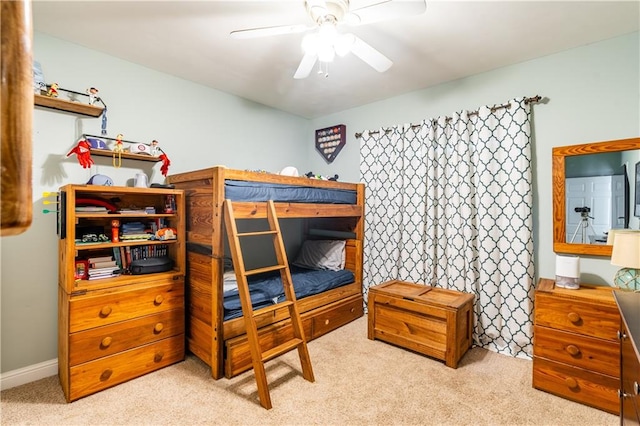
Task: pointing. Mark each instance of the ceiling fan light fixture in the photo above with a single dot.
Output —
(343, 44)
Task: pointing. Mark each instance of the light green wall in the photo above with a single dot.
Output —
(594, 95)
(197, 127)
(593, 92)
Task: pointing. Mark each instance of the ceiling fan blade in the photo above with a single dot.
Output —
(306, 65)
(370, 55)
(270, 31)
(385, 10)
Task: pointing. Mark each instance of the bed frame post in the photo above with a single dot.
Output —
(359, 230)
(217, 247)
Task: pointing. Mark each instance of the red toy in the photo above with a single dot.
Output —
(83, 153)
(164, 169)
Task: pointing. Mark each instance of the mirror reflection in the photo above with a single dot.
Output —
(596, 189)
(597, 195)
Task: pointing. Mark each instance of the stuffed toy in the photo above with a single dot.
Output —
(310, 175)
(83, 153)
(164, 169)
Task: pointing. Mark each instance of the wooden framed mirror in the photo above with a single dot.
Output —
(573, 208)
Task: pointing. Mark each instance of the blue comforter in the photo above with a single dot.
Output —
(237, 190)
(266, 289)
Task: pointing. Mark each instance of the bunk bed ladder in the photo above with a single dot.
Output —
(257, 356)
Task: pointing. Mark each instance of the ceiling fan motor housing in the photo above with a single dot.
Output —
(320, 10)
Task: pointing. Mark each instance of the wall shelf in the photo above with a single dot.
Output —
(129, 155)
(67, 106)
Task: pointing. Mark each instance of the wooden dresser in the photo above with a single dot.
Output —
(114, 328)
(576, 351)
(629, 305)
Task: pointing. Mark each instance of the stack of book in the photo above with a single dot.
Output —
(102, 267)
(134, 231)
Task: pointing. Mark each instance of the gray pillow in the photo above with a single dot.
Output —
(322, 254)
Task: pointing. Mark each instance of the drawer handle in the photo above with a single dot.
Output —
(623, 394)
(571, 382)
(158, 328)
(636, 388)
(106, 342)
(573, 350)
(105, 311)
(158, 357)
(352, 310)
(158, 300)
(106, 374)
(326, 322)
(573, 317)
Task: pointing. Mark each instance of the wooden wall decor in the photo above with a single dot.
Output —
(16, 111)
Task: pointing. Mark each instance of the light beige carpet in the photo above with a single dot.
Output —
(358, 382)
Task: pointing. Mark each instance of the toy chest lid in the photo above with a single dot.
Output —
(423, 293)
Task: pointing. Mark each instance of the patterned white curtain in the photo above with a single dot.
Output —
(449, 204)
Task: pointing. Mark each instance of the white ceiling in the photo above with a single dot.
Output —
(451, 40)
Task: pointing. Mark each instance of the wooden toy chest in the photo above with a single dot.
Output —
(432, 321)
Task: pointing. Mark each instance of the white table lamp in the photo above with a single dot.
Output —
(626, 253)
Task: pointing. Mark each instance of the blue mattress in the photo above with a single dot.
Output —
(237, 190)
(266, 289)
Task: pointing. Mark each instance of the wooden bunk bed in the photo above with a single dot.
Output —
(222, 344)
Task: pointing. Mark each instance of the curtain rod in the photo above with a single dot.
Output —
(531, 100)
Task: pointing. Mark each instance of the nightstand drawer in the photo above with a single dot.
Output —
(107, 340)
(90, 311)
(590, 319)
(597, 390)
(105, 372)
(598, 355)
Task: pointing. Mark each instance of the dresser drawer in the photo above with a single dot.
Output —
(110, 339)
(598, 355)
(105, 372)
(597, 390)
(590, 319)
(337, 315)
(88, 311)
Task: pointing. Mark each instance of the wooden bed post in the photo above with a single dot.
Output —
(217, 298)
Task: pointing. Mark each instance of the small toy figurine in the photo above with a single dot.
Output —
(83, 153)
(53, 90)
(115, 231)
(93, 95)
(310, 175)
(155, 150)
(118, 149)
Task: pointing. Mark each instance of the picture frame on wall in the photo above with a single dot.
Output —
(636, 208)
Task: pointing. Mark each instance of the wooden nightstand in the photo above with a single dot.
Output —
(576, 351)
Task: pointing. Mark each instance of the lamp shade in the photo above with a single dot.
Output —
(626, 253)
(626, 250)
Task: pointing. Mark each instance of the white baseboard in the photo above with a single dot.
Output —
(28, 374)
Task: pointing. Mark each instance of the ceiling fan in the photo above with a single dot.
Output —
(325, 42)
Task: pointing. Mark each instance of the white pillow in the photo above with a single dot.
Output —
(322, 254)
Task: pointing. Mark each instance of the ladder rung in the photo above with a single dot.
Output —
(272, 308)
(280, 349)
(265, 269)
(253, 234)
